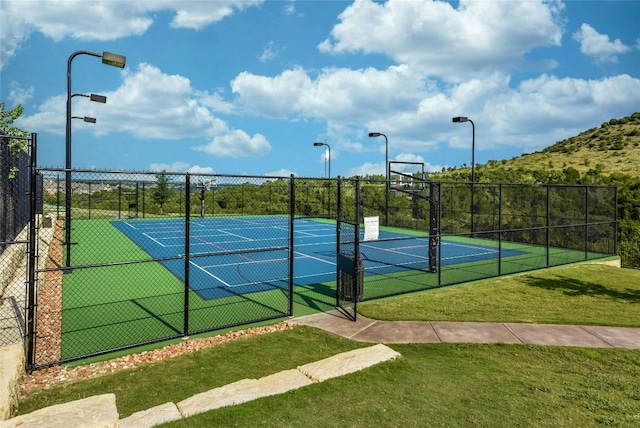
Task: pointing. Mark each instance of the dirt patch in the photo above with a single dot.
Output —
(52, 376)
(48, 334)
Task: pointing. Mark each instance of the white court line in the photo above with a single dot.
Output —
(392, 251)
(246, 263)
(469, 255)
(470, 246)
(286, 279)
(307, 256)
(154, 240)
(299, 232)
(315, 243)
(233, 234)
(209, 273)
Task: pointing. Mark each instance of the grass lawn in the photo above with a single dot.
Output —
(585, 294)
(432, 384)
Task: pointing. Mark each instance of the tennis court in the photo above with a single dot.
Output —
(241, 255)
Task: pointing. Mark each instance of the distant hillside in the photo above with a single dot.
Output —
(614, 147)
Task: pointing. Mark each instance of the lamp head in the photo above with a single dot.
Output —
(317, 144)
(460, 119)
(374, 134)
(98, 98)
(85, 119)
(113, 59)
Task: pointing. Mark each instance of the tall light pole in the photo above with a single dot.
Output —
(461, 119)
(386, 174)
(319, 144)
(108, 58)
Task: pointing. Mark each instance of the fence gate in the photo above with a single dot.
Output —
(350, 271)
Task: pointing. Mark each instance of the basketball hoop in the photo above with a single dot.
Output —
(207, 184)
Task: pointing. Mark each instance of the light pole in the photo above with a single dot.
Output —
(386, 174)
(461, 119)
(109, 59)
(319, 144)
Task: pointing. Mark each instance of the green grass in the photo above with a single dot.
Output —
(459, 386)
(578, 294)
(432, 384)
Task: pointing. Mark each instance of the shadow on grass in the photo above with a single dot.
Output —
(312, 298)
(575, 287)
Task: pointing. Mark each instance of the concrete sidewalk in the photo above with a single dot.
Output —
(368, 330)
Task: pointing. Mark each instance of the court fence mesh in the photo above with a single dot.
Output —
(478, 231)
(110, 267)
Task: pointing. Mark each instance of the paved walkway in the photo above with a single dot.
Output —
(368, 330)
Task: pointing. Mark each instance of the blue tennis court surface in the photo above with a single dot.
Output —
(240, 255)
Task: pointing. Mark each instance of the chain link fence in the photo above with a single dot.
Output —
(142, 257)
(145, 257)
(479, 230)
(629, 251)
(16, 167)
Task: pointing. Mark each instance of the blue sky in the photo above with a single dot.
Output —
(247, 86)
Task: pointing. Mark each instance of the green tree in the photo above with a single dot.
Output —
(16, 146)
(161, 193)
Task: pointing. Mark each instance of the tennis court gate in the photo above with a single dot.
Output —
(349, 266)
(370, 267)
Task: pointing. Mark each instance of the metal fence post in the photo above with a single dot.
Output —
(499, 229)
(338, 232)
(586, 223)
(187, 249)
(31, 280)
(548, 237)
(292, 204)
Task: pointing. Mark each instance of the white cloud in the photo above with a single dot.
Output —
(554, 109)
(236, 144)
(18, 94)
(181, 167)
(379, 168)
(197, 169)
(102, 20)
(366, 168)
(271, 51)
(412, 160)
(215, 102)
(272, 97)
(199, 14)
(599, 46)
(150, 104)
(416, 113)
(280, 173)
(174, 167)
(476, 38)
(333, 94)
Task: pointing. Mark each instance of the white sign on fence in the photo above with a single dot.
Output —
(371, 228)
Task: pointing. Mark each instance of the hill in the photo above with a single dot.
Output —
(614, 147)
